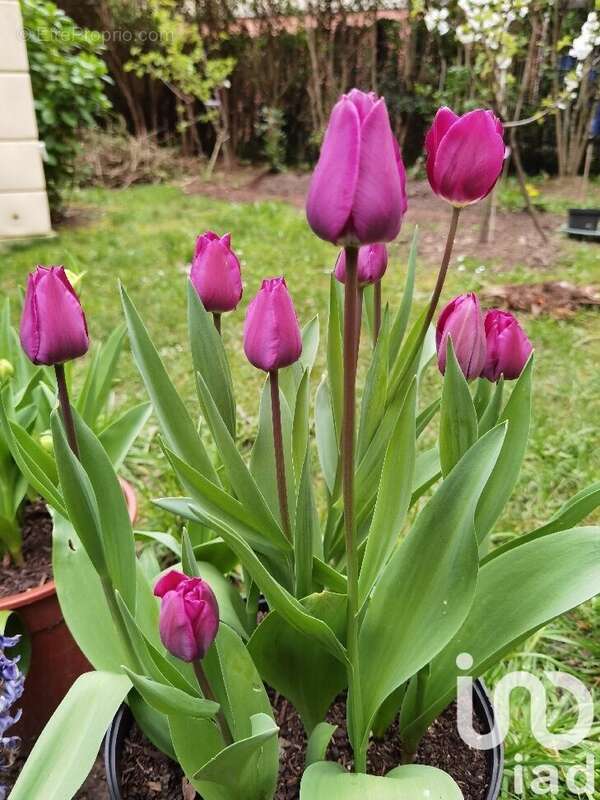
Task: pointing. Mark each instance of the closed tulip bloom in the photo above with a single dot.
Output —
(372, 264)
(508, 347)
(357, 193)
(272, 338)
(462, 320)
(216, 273)
(464, 155)
(189, 615)
(53, 325)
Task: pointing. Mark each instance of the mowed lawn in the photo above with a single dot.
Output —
(145, 237)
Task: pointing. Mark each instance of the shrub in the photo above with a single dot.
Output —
(68, 77)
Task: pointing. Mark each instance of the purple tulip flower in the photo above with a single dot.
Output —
(53, 325)
(372, 264)
(189, 615)
(508, 348)
(464, 155)
(272, 338)
(216, 273)
(462, 320)
(357, 193)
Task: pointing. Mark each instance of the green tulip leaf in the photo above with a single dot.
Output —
(66, 749)
(170, 700)
(318, 742)
(335, 366)
(244, 770)
(393, 497)
(177, 426)
(116, 532)
(278, 598)
(235, 682)
(375, 391)
(262, 458)
(80, 499)
(99, 377)
(326, 435)
(295, 665)
(326, 780)
(427, 587)
(458, 420)
(118, 437)
(238, 473)
(307, 533)
(517, 593)
(210, 358)
(400, 322)
(506, 472)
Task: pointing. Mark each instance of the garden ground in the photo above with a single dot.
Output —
(145, 236)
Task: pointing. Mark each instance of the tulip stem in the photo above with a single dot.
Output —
(217, 321)
(351, 322)
(208, 695)
(441, 278)
(376, 311)
(279, 456)
(359, 314)
(65, 407)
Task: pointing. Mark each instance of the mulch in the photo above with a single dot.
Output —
(559, 299)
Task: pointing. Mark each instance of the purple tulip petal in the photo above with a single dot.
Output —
(508, 347)
(53, 326)
(378, 200)
(364, 102)
(462, 321)
(443, 121)
(176, 630)
(272, 338)
(216, 276)
(169, 582)
(468, 159)
(331, 192)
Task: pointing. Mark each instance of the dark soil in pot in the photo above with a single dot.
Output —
(37, 553)
(147, 774)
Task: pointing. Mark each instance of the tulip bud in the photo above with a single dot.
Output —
(216, 273)
(372, 264)
(462, 320)
(6, 370)
(47, 442)
(357, 194)
(53, 326)
(508, 348)
(189, 615)
(272, 338)
(464, 155)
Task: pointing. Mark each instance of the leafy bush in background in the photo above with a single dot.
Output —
(68, 77)
(271, 126)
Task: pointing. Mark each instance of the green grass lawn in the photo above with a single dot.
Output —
(145, 237)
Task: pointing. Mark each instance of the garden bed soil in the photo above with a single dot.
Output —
(515, 239)
(37, 553)
(147, 774)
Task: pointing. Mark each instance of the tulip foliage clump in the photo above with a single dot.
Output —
(373, 569)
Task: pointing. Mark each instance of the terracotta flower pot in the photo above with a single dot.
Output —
(56, 661)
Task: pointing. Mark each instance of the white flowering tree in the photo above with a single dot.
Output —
(576, 92)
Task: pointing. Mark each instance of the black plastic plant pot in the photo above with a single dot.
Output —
(584, 223)
(121, 724)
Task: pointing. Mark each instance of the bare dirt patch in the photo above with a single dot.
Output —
(515, 241)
